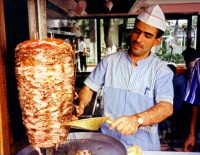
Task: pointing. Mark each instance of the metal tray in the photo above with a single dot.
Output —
(97, 143)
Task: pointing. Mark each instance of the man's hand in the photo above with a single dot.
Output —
(85, 96)
(84, 53)
(78, 111)
(189, 143)
(126, 125)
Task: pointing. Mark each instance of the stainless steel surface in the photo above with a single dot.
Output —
(169, 153)
(59, 23)
(99, 144)
(62, 32)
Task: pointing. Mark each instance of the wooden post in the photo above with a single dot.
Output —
(37, 19)
(4, 117)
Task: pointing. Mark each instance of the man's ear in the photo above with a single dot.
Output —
(158, 41)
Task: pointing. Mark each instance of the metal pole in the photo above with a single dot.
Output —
(37, 19)
(50, 151)
(98, 41)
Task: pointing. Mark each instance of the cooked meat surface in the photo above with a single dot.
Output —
(45, 82)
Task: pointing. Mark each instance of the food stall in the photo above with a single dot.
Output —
(99, 144)
(41, 27)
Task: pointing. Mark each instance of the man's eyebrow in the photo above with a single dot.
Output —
(146, 33)
(149, 34)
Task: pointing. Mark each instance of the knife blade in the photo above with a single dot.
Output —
(89, 123)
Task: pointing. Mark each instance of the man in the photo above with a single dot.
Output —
(83, 52)
(190, 56)
(137, 86)
(193, 97)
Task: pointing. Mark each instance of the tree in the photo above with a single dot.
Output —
(109, 26)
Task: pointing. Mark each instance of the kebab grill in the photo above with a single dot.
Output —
(45, 81)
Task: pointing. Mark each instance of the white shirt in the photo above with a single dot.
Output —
(132, 89)
(82, 46)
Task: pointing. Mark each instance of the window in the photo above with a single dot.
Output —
(177, 37)
(107, 35)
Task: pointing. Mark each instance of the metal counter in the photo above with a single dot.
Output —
(169, 153)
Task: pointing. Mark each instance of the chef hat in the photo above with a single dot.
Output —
(153, 16)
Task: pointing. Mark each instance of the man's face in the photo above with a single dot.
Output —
(143, 38)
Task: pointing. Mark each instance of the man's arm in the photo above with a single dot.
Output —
(193, 98)
(85, 51)
(85, 96)
(156, 114)
(128, 125)
(191, 139)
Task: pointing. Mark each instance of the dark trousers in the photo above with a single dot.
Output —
(83, 63)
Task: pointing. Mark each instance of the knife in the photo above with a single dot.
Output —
(89, 123)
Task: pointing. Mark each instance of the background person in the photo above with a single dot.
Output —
(193, 97)
(190, 56)
(82, 54)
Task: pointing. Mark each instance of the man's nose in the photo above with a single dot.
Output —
(140, 37)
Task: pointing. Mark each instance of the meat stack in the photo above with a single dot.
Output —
(45, 82)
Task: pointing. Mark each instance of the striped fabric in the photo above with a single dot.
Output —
(129, 89)
(193, 86)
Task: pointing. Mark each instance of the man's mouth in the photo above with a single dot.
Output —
(136, 46)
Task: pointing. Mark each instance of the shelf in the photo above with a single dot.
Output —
(63, 33)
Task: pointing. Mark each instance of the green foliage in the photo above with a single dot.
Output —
(171, 57)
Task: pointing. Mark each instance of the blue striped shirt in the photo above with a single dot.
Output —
(129, 89)
(193, 86)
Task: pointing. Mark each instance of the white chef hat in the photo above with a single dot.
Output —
(153, 16)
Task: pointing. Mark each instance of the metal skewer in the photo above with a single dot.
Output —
(50, 151)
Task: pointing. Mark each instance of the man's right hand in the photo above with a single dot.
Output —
(85, 96)
(78, 111)
(189, 143)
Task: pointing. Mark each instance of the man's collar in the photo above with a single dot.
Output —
(142, 61)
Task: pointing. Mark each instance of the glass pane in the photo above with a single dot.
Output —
(113, 34)
(87, 27)
(194, 31)
(174, 41)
